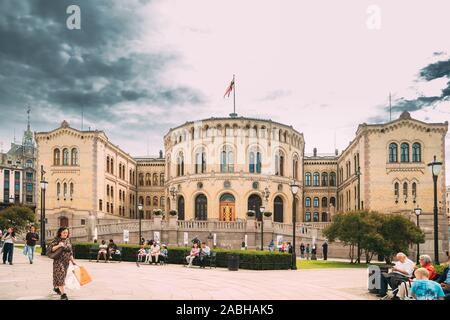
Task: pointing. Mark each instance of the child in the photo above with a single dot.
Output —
(424, 289)
(142, 253)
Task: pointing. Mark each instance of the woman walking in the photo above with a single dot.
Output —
(8, 245)
(62, 244)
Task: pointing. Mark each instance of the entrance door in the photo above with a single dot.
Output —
(180, 208)
(227, 208)
(63, 222)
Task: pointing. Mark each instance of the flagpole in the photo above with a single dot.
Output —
(234, 115)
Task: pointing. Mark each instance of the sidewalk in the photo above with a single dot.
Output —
(125, 280)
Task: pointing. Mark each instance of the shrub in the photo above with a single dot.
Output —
(248, 259)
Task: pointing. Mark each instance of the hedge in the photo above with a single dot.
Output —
(248, 259)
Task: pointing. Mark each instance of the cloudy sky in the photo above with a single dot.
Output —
(139, 67)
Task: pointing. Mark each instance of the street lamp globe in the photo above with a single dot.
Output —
(435, 167)
(11, 199)
(44, 184)
(417, 211)
(140, 206)
(294, 188)
(262, 209)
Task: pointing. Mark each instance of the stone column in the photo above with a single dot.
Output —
(172, 230)
(268, 230)
(156, 226)
(250, 230)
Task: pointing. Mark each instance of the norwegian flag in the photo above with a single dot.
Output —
(229, 89)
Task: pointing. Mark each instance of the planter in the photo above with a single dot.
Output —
(267, 214)
(173, 213)
(157, 212)
(250, 213)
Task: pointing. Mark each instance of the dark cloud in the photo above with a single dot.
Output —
(59, 71)
(440, 69)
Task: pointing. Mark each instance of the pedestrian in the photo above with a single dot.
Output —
(61, 261)
(289, 247)
(271, 246)
(243, 247)
(325, 250)
(314, 252)
(30, 243)
(307, 251)
(302, 250)
(9, 238)
(142, 240)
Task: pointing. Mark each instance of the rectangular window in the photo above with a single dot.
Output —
(29, 198)
(29, 176)
(83, 222)
(29, 188)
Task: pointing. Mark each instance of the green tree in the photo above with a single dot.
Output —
(18, 217)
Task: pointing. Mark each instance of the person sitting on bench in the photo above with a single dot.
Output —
(112, 248)
(401, 272)
(194, 254)
(103, 251)
(142, 253)
(164, 254)
(204, 253)
(154, 253)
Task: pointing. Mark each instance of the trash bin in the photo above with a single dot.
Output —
(233, 262)
(374, 279)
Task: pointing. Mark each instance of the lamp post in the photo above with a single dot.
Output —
(435, 167)
(262, 209)
(43, 188)
(294, 190)
(140, 207)
(417, 211)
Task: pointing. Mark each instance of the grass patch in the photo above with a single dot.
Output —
(327, 264)
(21, 246)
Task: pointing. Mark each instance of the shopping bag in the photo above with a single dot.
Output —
(82, 275)
(71, 281)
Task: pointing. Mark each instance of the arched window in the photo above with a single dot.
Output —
(56, 157)
(404, 152)
(161, 179)
(107, 164)
(324, 179)
(295, 167)
(396, 189)
(279, 163)
(316, 217)
(307, 202)
(162, 202)
(254, 161)
(58, 189)
(180, 208)
(112, 192)
(393, 152)
(316, 202)
(148, 179)
(308, 217)
(405, 189)
(155, 201)
(414, 190)
(324, 217)
(107, 190)
(200, 161)
(227, 160)
(332, 179)
(201, 207)
(180, 164)
(278, 209)
(155, 179)
(324, 202)
(120, 174)
(71, 189)
(65, 157)
(141, 179)
(416, 154)
(333, 201)
(308, 179)
(316, 179)
(65, 190)
(254, 203)
(141, 200)
(148, 201)
(112, 166)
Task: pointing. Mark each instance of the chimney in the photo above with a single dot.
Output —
(336, 152)
(315, 152)
(160, 154)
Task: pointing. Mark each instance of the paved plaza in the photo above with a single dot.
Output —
(125, 280)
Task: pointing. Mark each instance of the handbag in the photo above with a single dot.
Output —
(53, 254)
(82, 275)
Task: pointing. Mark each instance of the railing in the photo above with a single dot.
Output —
(75, 232)
(192, 224)
(103, 229)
